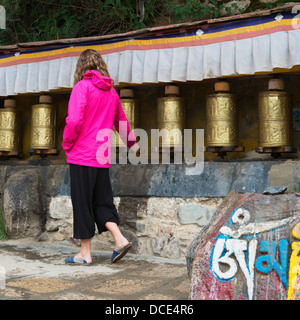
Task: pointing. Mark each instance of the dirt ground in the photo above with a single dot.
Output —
(31, 270)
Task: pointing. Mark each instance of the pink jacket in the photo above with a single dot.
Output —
(94, 108)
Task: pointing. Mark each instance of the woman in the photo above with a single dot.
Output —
(94, 107)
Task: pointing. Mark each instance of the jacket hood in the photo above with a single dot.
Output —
(101, 82)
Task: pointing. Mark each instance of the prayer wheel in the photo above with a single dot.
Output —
(43, 124)
(221, 112)
(9, 127)
(275, 116)
(131, 111)
(170, 116)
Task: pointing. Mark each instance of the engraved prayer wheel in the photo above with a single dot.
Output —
(131, 111)
(221, 113)
(43, 124)
(9, 127)
(275, 116)
(170, 116)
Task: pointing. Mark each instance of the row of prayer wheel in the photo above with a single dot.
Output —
(274, 108)
(275, 116)
(274, 111)
(43, 125)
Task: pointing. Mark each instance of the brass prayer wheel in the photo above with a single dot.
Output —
(131, 111)
(170, 116)
(221, 113)
(43, 124)
(9, 127)
(275, 116)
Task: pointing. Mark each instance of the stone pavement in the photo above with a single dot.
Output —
(31, 270)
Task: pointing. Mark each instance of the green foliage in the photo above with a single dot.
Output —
(194, 10)
(257, 5)
(2, 228)
(35, 21)
(38, 20)
(41, 20)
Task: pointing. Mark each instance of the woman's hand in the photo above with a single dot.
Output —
(135, 148)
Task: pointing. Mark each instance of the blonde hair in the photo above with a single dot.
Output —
(90, 60)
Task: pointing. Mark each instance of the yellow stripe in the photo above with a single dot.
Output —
(235, 31)
(247, 29)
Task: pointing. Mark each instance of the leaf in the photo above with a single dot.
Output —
(213, 2)
(216, 13)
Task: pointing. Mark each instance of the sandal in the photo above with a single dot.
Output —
(120, 253)
(77, 261)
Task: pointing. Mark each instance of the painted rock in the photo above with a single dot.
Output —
(250, 250)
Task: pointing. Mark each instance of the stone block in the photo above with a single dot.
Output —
(52, 225)
(130, 208)
(297, 177)
(275, 190)
(61, 208)
(140, 227)
(3, 170)
(282, 174)
(131, 180)
(56, 180)
(23, 216)
(251, 177)
(163, 207)
(60, 218)
(168, 248)
(195, 213)
(173, 180)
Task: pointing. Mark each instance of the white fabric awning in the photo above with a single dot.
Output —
(233, 48)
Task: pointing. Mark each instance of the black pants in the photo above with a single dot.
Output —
(92, 200)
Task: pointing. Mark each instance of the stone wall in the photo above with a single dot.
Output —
(162, 227)
(161, 208)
